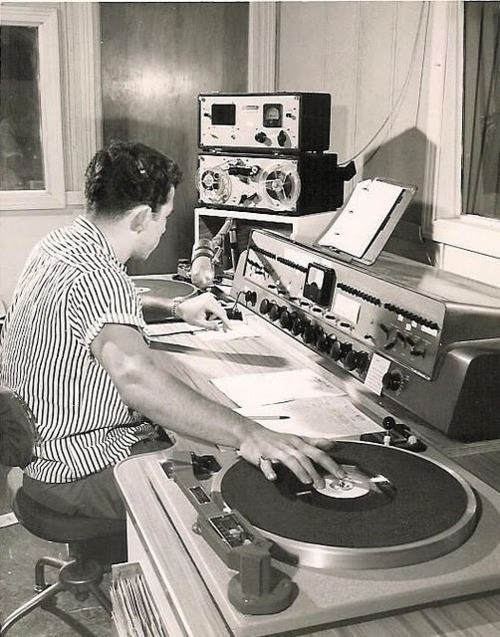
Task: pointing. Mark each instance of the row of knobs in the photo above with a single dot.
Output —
(261, 137)
(314, 335)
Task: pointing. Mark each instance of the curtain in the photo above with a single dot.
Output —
(481, 118)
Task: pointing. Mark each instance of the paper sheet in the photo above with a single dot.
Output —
(249, 390)
(239, 329)
(321, 417)
(358, 223)
(163, 329)
(378, 367)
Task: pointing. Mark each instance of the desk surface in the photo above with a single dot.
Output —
(196, 363)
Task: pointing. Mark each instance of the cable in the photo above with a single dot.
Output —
(402, 94)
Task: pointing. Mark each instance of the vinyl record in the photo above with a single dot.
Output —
(154, 293)
(388, 512)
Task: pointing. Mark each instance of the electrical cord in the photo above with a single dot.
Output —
(402, 94)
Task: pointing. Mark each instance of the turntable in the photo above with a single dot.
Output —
(387, 512)
(156, 291)
(402, 530)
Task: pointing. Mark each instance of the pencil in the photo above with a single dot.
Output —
(269, 417)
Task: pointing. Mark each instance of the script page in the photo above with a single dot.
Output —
(368, 207)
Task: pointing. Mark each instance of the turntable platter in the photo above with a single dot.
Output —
(392, 516)
(154, 293)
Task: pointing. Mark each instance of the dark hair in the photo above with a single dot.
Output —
(125, 174)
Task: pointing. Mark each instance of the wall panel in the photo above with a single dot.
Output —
(369, 56)
(156, 58)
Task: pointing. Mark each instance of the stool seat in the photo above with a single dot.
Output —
(93, 543)
(58, 527)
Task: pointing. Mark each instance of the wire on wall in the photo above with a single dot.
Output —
(423, 19)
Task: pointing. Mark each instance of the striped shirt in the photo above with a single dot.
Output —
(72, 285)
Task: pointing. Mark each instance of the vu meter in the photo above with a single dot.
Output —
(319, 284)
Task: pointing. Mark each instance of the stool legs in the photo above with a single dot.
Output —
(102, 598)
(75, 576)
(27, 607)
(40, 583)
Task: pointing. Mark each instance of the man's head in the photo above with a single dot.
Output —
(126, 174)
(130, 185)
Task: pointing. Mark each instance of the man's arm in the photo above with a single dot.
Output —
(148, 388)
(203, 310)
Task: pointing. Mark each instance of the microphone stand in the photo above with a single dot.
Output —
(228, 227)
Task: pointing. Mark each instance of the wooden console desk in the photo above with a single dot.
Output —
(183, 602)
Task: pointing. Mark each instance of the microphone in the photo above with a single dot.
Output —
(233, 243)
(202, 264)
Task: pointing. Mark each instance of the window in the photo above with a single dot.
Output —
(481, 119)
(21, 166)
(31, 148)
(463, 127)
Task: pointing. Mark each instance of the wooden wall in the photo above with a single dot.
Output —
(370, 56)
(156, 58)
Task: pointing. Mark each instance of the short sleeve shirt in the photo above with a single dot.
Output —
(72, 286)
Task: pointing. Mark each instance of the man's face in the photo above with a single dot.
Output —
(149, 238)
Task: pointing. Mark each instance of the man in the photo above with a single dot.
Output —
(73, 347)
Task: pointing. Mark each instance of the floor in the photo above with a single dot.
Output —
(19, 551)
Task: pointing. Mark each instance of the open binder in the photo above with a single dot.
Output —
(362, 228)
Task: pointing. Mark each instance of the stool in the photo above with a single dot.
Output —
(93, 544)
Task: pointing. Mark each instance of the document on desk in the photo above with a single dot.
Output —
(319, 417)
(239, 329)
(250, 390)
(170, 329)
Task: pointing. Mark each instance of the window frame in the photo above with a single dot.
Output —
(53, 196)
(444, 222)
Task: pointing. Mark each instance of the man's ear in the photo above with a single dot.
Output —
(139, 217)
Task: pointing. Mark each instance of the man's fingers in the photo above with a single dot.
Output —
(327, 444)
(322, 458)
(296, 467)
(266, 466)
(309, 471)
(330, 465)
(213, 307)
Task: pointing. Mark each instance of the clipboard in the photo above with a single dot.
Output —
(362, 228)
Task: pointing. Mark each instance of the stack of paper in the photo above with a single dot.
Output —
(321, 417)
(249, 390)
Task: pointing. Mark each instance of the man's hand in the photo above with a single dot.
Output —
(265, 447)
(203, 310)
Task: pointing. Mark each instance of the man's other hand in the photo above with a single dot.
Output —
(264, 447)
(204, 311)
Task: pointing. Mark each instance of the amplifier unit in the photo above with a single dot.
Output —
(288, 122)
(296, 185)
(425, 339)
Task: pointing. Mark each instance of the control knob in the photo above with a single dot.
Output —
(362, 362)
(325, 343)
(393, 381)
(261, 137)
(309, 333)
(286, 319)
(251, 297)
(282, 138)
(275, 311)
(297, 326)
(339, 350)
(351, 360)
(264, 306)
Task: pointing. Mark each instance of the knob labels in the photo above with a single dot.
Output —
(379, 366)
